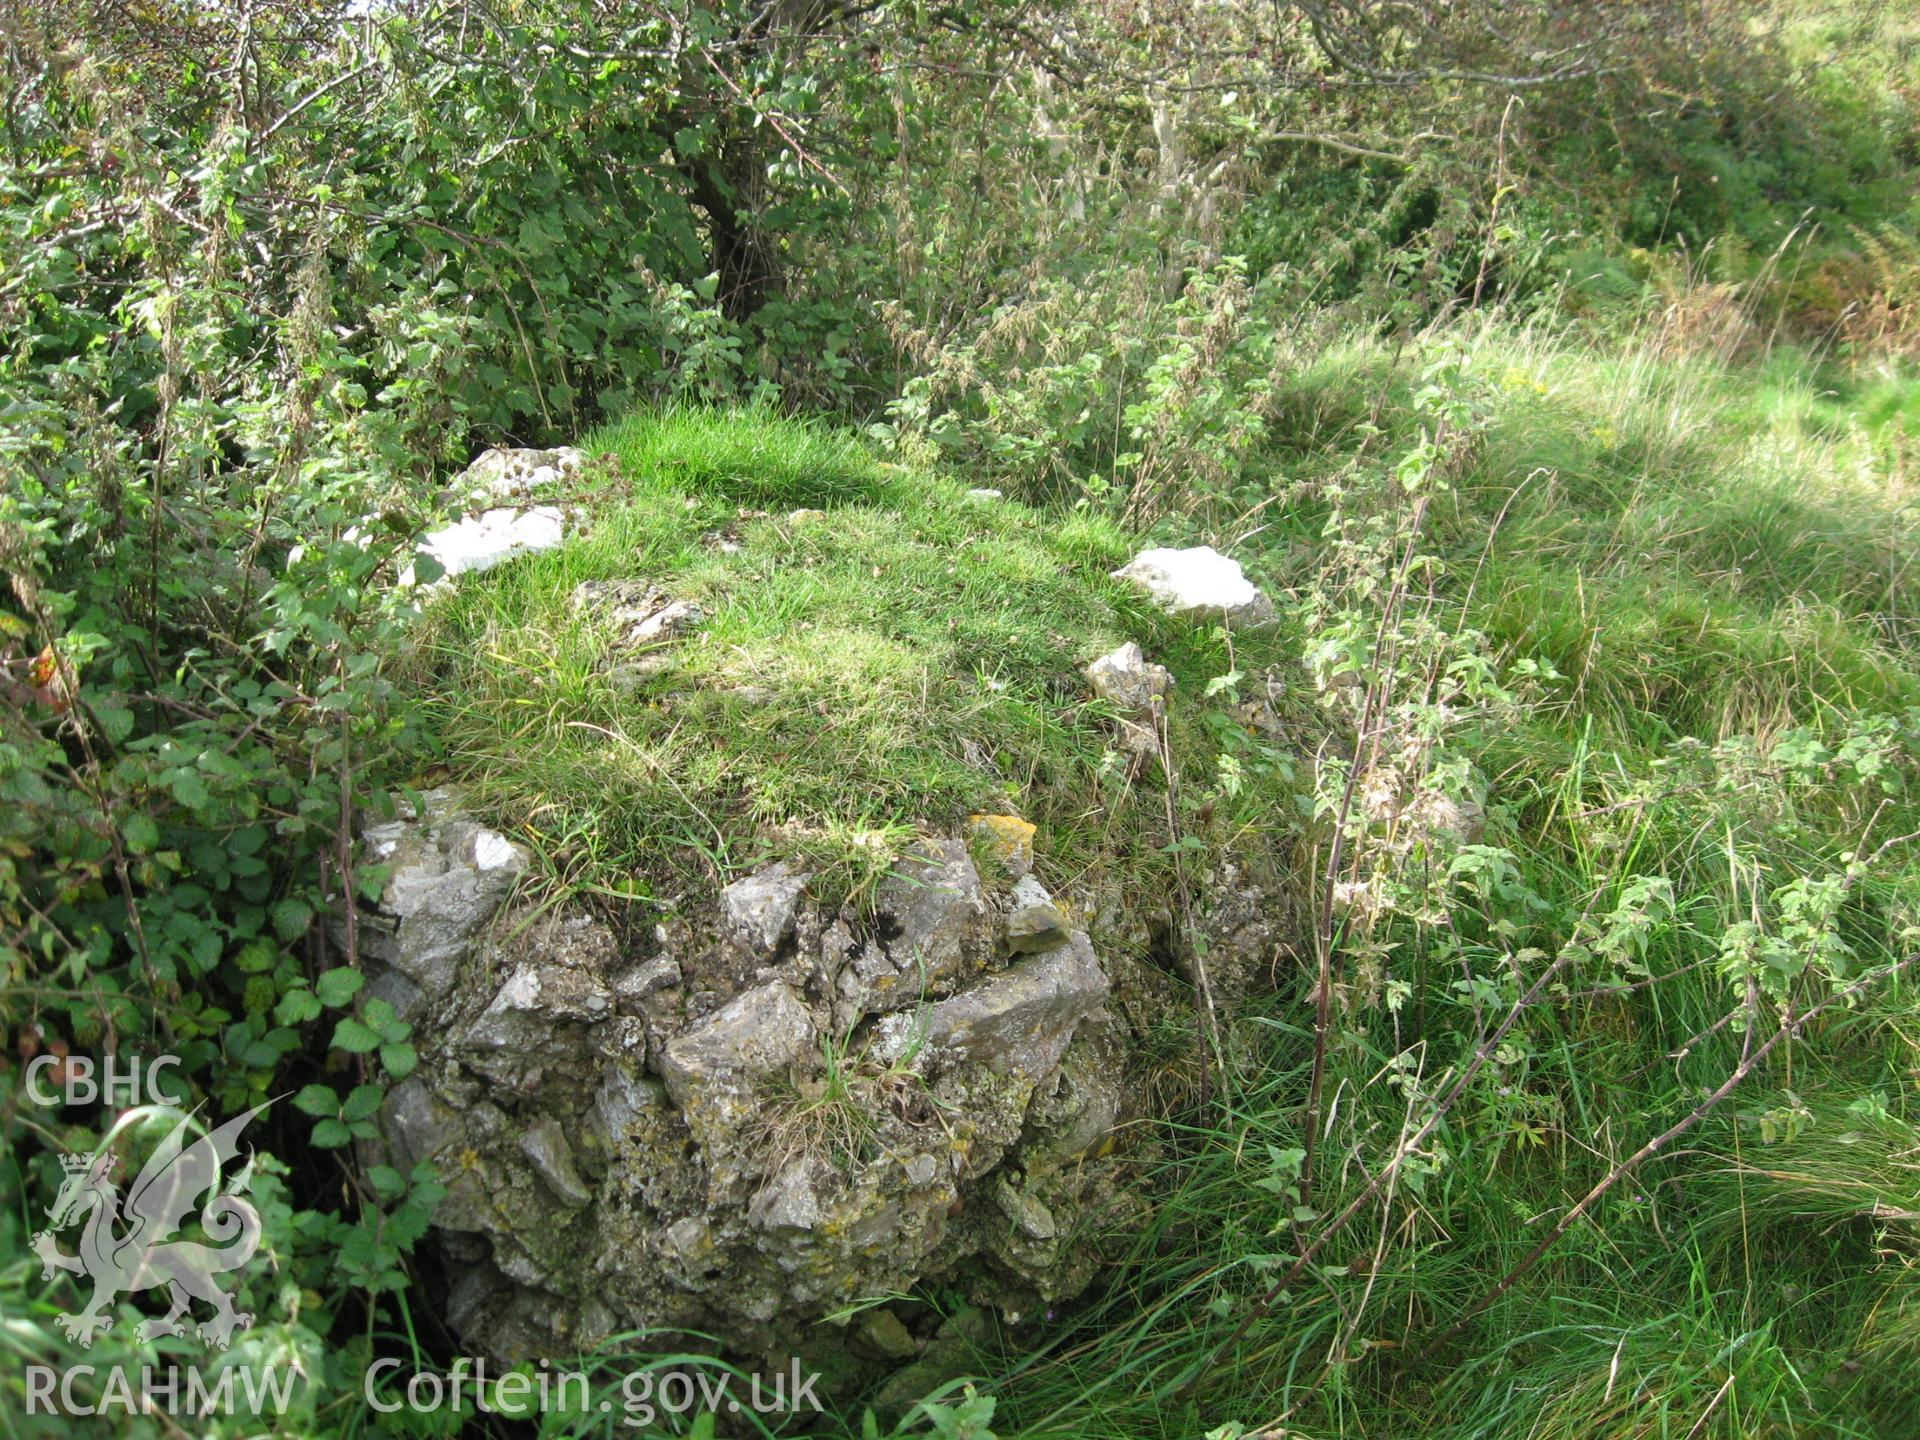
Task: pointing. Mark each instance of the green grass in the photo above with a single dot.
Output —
(1702, 550)
(1713, 560)
(882, 651)
(752, 456)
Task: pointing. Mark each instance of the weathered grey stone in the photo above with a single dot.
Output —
(396, 990)
(1033, 1236)
(417, 1125)
(477, 1296)
(789, 1201)
(1020, 1020)
(1126, 678)
(645, 981)
(1198, 583)
(958, 1348)
(504, 474)
(1076, 1110)
(882, 1335)
(711, 1068)
(540, 992)
(546, 1146)
(514, 1041)
(1249, 922)
(930, 911)
(1034, 922)
(760, 908)
(672, 619)
(690, 1238)
(1027, 1211)
(639, 614)
(447, 878)
(622, 1100)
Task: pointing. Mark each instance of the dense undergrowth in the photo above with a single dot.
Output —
(1699, 800)
(1572, 425)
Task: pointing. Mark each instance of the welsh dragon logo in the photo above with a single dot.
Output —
(128, 1246)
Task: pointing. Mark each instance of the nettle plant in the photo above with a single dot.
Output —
(1107, 390)
(1397, 796)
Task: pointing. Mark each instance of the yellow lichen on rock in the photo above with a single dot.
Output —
(1006, 840)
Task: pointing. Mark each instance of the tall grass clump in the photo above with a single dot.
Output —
(1586, 1110)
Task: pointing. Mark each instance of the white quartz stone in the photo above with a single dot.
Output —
(483, 541)
(1198, 584)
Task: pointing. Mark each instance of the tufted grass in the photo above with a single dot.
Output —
(1704, 552)
(1707, 553)
(882, 652)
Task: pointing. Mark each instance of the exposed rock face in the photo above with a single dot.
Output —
(639, 613)
(1127, 679)
(882, 1334)
(1034, 922)
(746, 1118)
(1250, 922)
(760, 909)
(930, 911)
(480, 542)
(1138, 689)
(714, 1067)
(446, 879)
(1198, 584)
(499, 532)
(1005, 842)
(1017, 1023)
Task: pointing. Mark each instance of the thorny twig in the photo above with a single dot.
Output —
(1372, 709)
(1407, 1147)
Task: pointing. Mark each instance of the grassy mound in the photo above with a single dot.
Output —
(882, 650)
(1651, 617)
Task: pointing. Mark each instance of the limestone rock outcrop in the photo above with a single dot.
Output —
(499, 488)
(743, 1119)
(1198, 583)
